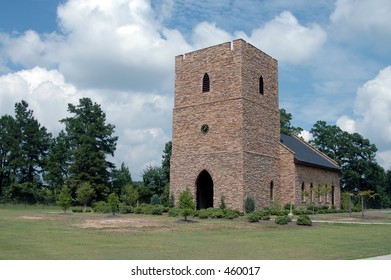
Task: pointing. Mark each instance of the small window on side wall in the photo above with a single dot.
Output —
(205, 83)
(261, 90)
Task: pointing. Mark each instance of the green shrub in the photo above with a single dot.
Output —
(222, 205)
(253, 218)
(88, 210)
(288, 207)
(249, 204)
(124, 209)
(215, 213)
(203, 214)
(282, 220)
(157, 209)
(101, 207)
(264, 218)
(304, 220)
(155, 200)
(77, 210)
(231, 214)
(186, 203)
(173, 212)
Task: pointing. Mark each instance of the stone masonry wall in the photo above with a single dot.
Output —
(240, 150)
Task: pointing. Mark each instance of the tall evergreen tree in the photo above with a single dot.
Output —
(57, 162)
(27, 155)
(7, 142)
(166, 162)
(91, 140)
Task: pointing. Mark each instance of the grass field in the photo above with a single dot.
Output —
(46, 234)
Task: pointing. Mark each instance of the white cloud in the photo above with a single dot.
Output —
(372, 111)
(347, 124)
(286, 39)
(365, 16)
(207, 34)
(363, 23)
(306, 135)
(46, 92)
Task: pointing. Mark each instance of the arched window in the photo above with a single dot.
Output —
(205, 83)
(271, 191)
(261, 85)
(302, 192)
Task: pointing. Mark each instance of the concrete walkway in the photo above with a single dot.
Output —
(385, 257)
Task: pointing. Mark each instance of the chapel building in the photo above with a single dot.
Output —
(226, 138)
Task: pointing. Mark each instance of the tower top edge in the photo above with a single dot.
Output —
(237, 44)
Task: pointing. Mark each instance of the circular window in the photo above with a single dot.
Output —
(204, 128)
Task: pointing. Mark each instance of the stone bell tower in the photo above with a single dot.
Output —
(226, 126)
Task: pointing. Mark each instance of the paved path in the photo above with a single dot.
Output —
(385, 257)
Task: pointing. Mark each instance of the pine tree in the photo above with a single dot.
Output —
(91, 140)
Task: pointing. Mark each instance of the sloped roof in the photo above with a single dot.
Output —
(306, 154)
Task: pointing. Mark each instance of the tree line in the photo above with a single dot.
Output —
(355, 155)
(35, 165)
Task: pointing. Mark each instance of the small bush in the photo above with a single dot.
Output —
(101, 207)
(222, 205)
(264, 218)
(231, 214)
(157, 209)
(249, 204)
(282, 220)
(288, 207)
(203, 214)
(155, 200)
(304, 220)
(216, 213)
(124, 209)
(173, 212)
(253, 218)
(77, 210)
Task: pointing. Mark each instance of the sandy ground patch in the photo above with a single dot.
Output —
(121, 223)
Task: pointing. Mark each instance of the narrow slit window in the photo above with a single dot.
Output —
(205, 83)
(261, 90)
(271, 191)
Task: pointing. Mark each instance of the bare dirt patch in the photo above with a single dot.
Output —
(121, 223)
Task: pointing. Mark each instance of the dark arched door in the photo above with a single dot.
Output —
(204, 190)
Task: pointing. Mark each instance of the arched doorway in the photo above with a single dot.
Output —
(204, 190)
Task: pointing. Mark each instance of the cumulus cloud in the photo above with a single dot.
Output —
(208, 34)
(372, 111)
(286, 39)
(353, 19)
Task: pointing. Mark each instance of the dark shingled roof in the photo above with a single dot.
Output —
(306, 155)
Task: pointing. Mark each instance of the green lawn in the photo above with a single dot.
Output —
(45, 233)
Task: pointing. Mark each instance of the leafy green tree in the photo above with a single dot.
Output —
(153, 179)
(285, 124)
(357, 158)
(64, 199)
(166, 162)
(120, 178)
(91, 140)
(129, 195)
(84, 194)
(186, 204)
(113, 202)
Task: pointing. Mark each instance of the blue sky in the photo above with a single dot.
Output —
(334, 61)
